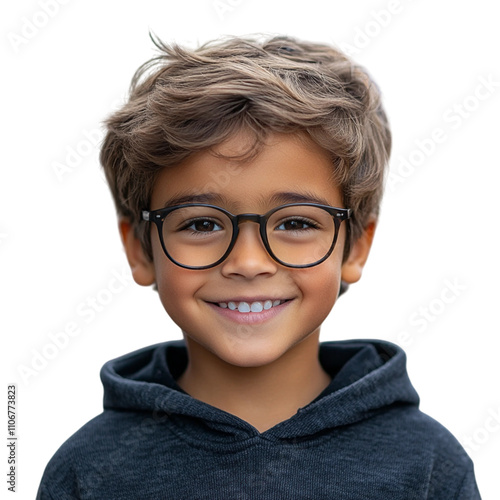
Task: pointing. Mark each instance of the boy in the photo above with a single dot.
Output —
(247, 178)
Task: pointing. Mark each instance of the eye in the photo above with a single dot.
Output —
(296, 224)
(202, 226)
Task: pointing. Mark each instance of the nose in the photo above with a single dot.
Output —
(249, 257)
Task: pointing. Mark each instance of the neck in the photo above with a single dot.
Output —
(264, 395)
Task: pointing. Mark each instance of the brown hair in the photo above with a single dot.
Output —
(184, 101)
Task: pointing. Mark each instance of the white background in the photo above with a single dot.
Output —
(59, 245)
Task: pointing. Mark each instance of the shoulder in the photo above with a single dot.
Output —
(451, 469)
(86, 458)
(419, 441)
(408, 427)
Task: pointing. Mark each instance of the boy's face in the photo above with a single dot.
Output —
(286, 164)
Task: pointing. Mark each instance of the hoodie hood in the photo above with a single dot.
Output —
(367, 377)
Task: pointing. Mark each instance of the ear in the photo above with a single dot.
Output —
(142, 268)
(352, 268)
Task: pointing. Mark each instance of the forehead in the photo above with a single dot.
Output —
(287, 168)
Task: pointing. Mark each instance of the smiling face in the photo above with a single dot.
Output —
(248, 311)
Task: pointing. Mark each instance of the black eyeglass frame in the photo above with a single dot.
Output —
(158, 216)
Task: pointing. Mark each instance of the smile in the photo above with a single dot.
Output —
(250, 311)
(247, 307)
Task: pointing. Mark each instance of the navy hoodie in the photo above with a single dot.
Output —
(363, 438)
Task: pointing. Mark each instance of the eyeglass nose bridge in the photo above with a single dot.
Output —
(258, 219)
(261, 220)
(249, 217)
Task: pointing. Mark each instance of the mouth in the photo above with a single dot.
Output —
(246, 307)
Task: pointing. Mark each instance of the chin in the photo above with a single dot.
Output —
(245, 356)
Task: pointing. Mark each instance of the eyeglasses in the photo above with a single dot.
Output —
(200, 236)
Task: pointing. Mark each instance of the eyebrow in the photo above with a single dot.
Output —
(280, 198)
(209, 198)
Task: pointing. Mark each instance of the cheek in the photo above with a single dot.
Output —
(176, 285)
(320, 287)
(177, 288)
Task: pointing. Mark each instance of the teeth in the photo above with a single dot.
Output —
(256, 307)
(245, 307)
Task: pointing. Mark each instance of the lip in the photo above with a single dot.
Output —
(260, 298)
(250, 317)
